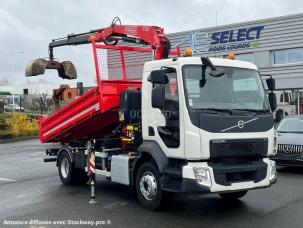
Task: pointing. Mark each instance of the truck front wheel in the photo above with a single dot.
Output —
(233, 195)
(148, 186)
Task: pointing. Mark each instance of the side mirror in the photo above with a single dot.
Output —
(158, 77)
(271, 83)
(272, 101)
(158, 97)
(218, 72)
(215, 72)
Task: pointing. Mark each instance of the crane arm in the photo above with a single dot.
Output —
(146, 35)
(139, 34)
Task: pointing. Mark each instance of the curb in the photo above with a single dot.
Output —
(18, 139)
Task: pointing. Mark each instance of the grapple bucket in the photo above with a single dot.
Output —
(66, 69)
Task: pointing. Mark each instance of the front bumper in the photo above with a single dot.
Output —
(285, 160)
(191, 184)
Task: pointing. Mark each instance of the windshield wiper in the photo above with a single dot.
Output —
(253, 110)
(218, 110)
(298, 132)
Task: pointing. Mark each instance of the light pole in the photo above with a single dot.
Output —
(12, 54)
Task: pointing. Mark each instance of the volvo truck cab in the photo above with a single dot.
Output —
(178, 124)
(208, 124)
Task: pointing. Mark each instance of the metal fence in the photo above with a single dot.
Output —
(34, 104)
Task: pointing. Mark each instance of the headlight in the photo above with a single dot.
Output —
(202, 176)
(272, 170)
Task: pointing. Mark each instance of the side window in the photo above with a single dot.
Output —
(284, 97)
(170, 133)
(279, 57)
(171, 92)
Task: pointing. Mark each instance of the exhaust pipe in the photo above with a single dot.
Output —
(66, 69)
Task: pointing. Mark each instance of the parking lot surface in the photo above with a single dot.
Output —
(31, 192)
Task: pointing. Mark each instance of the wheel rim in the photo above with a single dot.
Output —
(64, 167)
(148, 186)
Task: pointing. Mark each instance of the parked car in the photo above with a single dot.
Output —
(290, 141)
(13, 107)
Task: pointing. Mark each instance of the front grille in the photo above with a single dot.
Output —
(238, 147)
(288, 149)
(226, 174)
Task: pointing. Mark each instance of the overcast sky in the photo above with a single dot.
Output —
(28, 26)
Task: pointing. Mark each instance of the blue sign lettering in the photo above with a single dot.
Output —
(215, 37)
(225, 40)
(239, 35)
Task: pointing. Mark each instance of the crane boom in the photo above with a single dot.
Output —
(146, 35)
(152, 36)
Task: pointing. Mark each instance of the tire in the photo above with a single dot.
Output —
(148, 186)
(233, 195)
(68, 174)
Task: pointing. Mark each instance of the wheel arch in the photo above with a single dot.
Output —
(68, 151)
(149, 151)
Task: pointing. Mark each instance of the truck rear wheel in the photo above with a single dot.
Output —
(233, 195)
(68, 173)
(148, 186)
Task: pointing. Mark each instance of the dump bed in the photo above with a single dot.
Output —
(92, 115)
(95, 114)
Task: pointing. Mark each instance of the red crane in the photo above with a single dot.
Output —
(96, 112)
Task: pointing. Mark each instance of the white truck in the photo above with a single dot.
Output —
(196, 125)
(285, 105)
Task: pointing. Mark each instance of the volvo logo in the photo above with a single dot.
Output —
(240, 124)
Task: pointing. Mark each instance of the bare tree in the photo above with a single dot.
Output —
(4, 81)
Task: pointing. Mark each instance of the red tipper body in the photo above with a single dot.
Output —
(94, 114)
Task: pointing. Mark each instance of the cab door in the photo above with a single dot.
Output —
(164, 125)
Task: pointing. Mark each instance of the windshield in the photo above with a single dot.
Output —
(293, 124)
(237, 89)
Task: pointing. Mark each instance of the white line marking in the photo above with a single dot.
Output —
(6, 179)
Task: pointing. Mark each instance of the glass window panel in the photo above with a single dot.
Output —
(246, 57)
(279, 57)
(295, 55)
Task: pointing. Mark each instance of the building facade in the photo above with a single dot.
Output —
(275, 45)
(30, 89)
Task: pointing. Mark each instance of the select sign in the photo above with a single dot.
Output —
(235, 39)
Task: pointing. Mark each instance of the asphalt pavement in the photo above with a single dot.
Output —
(31, 195)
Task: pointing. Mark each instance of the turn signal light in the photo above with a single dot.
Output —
(188, 52)
(231, 56)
